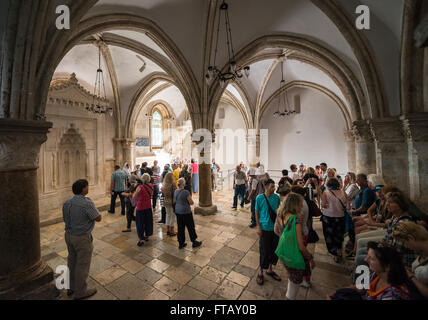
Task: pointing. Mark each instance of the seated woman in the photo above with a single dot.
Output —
(377, 215)
(388, 277)
(415, 237)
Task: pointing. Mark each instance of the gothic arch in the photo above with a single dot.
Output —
(305, 84)
(142, 96)
(183, 77)
(362, 51)
(307, 50)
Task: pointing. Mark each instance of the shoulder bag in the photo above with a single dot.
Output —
(288, 250)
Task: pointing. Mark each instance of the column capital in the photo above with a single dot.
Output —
(349, 135)
(415, 127)
(20, 142)
(362, 132)
(388, 130)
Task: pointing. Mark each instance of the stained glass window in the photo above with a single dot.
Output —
(156, 130)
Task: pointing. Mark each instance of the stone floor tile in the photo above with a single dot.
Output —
(248, 295)
(241, 243)
(229, 290)
(56, 261)
(168, 286)
(149, 276)
(132, 266)
(171, 260)
(200, 261)
(188, 293)
(119, 258)
(238, 278)
(102, 292)
(156, 295)
(108, 276)
(203, 285)
(246, 271)
(158, 265)
(129, 287)
(142, 258)
(99, 264)
(251, 260)
(152, 252)
(178, 275)
(190, 268)
(264, 291)
(212, 274)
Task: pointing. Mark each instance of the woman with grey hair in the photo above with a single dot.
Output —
(144, 215)
(183, 200)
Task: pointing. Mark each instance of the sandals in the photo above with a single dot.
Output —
(260, 279)
(126, 230)
(140, 243)
(274, 275)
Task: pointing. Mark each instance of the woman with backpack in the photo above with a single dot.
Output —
(291, 249)
(144, 215)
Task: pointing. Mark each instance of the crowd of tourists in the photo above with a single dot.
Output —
(387, 232)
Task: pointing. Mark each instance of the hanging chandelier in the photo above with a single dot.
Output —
(99, 101)
(283, 98)
(233, 72)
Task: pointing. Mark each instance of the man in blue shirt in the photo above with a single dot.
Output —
(364, 200)
(265, 229)
(117, 187)
(79, 214)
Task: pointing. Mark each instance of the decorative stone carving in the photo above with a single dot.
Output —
(362, 132)
(76, 95)
(20, 143)
(415, 127)
(387, 131)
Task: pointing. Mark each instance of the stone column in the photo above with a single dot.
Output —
(128, 146)
(204, 140)
(253, 139)
(364, 148)
(416, 133)
(350, 146)
(391, 152)
(23, 275)
(118, 151)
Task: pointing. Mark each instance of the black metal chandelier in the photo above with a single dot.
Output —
(283, 98)
(99, 101)
(233, 72)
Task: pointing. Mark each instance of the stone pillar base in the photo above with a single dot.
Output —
(206, 211)
(41, 286)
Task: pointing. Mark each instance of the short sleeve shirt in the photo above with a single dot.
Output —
(79, 214)
(145, 197)
(262, 207)
(182, 205)
(119, 178)
(195, 168)
(365, 198)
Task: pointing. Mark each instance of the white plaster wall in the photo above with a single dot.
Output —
(314, 136)
(230, 150)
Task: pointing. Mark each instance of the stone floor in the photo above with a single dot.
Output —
(224, 267)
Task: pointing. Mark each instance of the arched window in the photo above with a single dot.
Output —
(157, 139)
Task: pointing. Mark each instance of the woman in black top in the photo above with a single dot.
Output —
(188, 177)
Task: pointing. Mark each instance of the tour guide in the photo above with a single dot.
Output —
(79, 215)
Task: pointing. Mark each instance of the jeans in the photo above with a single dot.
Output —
(155, 195)
(183, 221)
(253, 212)
(239, 191)
(113, 202)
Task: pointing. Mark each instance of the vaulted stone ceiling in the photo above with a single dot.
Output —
(184, 24)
